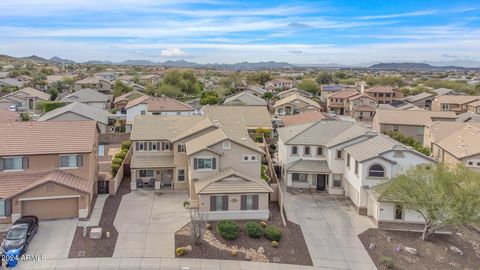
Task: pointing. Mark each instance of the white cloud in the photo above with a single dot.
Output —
(399, 15)
(172, 52)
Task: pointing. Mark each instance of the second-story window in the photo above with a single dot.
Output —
(306, 150)
(71, 161)
(356, 167)
(206, 163)
(14, 163)
(348, 160)
(319, 151)
(339, 154)
(181, 148)
(294, 150)
(226, 145)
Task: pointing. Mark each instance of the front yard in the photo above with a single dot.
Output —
(291, 249)
(432, 254)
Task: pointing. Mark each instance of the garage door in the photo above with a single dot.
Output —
(51, 208)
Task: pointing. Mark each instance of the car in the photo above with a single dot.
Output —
(20, 234)
(12, 108)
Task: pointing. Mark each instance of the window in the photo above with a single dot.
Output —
(147, 173)
(380, 94)
(71, 161)
(306, 151)
(101, 150)
(348, 160)
(142, 112)
(2, 208)
(356, 167)
(339, 154)
(387, 95)
(445, 107)
(165, 146)
(419, 131)
(299, 177)
(181, 175)
(249, 202)
(398, 212)
(376, 170)
(337, 180)
(181, 148)
(204, 163)
(294, 150)
(251, 158)
(15, 163)
(319, 151)
(227, 145)
(395, 128)
(218, 203)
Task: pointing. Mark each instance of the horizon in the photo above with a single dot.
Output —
(300, 33)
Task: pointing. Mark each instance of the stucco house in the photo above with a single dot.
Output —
(454, 103)
(244, 98)
(294, 104)
(24, 99)
(89, 97)
(98, 83)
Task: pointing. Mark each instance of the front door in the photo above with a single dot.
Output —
(321, 182)
(166, 177)
(102, 187)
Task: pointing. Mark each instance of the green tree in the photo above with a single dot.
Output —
(268, 96)
(340, 75)
(209, 97)
(324, 78)
(309, 85)
(477, 89)
(53, 91)
(259, 77)
(442, 194)
(169, 91)
(119, 88)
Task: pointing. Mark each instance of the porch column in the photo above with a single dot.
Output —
(133, 179)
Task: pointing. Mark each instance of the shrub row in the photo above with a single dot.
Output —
(230, 230)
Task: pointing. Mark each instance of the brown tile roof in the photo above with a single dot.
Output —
(166, 104)
(413, 118)
(361, 95)
(128, 96)
(454, 99)
(294, 97)
(163, 127)
(135, 102)
(7, 116)
(14, 183)
(365, 108)
(344, 94)
(380, 89)
(145, 161)
(302, 118)
(252, 116)
(474, 104)
(55, 137)
(464, 142)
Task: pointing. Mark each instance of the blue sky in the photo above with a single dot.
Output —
(302, 32)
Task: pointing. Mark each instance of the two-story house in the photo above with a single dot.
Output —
(339, 102)
(98, 83)
(89, 97)
(295, 104)
(454, 103)
(47, 169)
(279, 83)
(152, 79)
(215, 160)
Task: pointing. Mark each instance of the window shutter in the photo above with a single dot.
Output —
(137, 146)
(145, 145)
(79, 160)
(243, 202)
(25, 163)
(150, 146)
(212, 203)
(1, 164)
(225, 203)
(214, 163)
(195, 163)
(255, 202)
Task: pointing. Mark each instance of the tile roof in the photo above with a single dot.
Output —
(294, 97)
(468, 117)
(418, 97)
(380, 89)
(411, 117)
(7, 116)
(162, 127)
(31, 92)
(303, 165)
(14, 183)
(374, 147)
(37, 138)
(474, 104)
(12, 82)
(245, 98)
(88, 80)
(253, 116)
(441, 129)
(317, 133)
(167, 104)
(84, 110)
(454, 99)
(365, 108)
(464, 142)
(139, 100)
(128, 96)
(302, 118)
(86, 95)
(231, 181)
(344, 94)
(145, 161)
(443, 91)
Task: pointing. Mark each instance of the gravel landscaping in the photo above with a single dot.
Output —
(292, 248)
(433, 254)
(104, 247)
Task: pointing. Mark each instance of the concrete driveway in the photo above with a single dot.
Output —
(330, 226)
(146, 222)
(54, 238)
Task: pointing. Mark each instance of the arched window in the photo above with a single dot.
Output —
(294, 150)
(306, 150)
(376, 170)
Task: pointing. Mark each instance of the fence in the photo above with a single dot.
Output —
(117, 179)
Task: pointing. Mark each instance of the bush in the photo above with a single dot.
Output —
(47, 106)
(115, 168)
(258, 138)
(234, 253)
(253, 229)
(121, 155)
(228, 229)
(387, 262)
(274, 244)
(263, 224)
(181, 251)
(273, 233)
(126, 145)
(208, 226)
(117, 161)
(186, 204)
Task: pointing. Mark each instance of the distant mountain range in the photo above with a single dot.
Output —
(454, 64)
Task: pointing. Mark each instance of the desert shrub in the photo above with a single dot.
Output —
(274, 244)
(263, 224)
(273, 233)
(228, 229)
(180, 251)
(117, 161)
(234, 253)
(47, 106)
(387, 262)
(115, 168)
(208, 226)
(186, 204)
(126, 145)
(253, 229)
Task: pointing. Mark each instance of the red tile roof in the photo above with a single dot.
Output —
(302, 118)
(7, 116)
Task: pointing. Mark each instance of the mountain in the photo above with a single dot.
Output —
(137, 63)
(59, 60)
(458, 63)
(35, 58)
(423, 66)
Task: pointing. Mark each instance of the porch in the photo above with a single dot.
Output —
(152, 171)
(312, 174)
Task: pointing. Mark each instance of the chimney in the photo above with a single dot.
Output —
(362, 87)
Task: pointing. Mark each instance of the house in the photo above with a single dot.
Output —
(409, 123)
(76, 111)
(457, 144)
(148, 105)
(435, 131)
(474, 107)
(215, 160)
(109, 76)
(279, 83)
(23, 99)
(454, 103)
(98, 83)
(89, 97)
(293, 91)
(329, 89)
(253, 117)
(294, 104)
(445, 91)
(348, 159)
(301, 118)
(468, 117)
(244, 98)
(256, 89)
(149, 79)
(47, 169)
(8, 116)
(120, 102)
(399, 105)
(134, 86)
(24, 78)
(9, 82)
(338, 102)
(421, 100)
(384, 94)
(362, 107)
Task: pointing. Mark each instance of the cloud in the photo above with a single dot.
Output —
(296, 51)
(400, 15)
(298, 25)
(172, 52)
(450, 56)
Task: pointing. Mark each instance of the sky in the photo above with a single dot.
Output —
(215, 31)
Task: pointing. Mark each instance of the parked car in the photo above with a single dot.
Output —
(13, 108)
(20, 234)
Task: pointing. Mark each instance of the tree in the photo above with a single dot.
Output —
(259, 77)
(268, 95)
(209, 97)
(119, 88)
(309, 85)
(198, 223)
(169, 91)
(324, 78)
(53, 91)
(443, 195)
(340, 75)
(477, 89)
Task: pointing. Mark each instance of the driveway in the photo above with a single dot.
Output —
(146, 222)
(53, 239)
(330, 225)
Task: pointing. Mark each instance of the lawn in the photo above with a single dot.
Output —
(432, 254)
